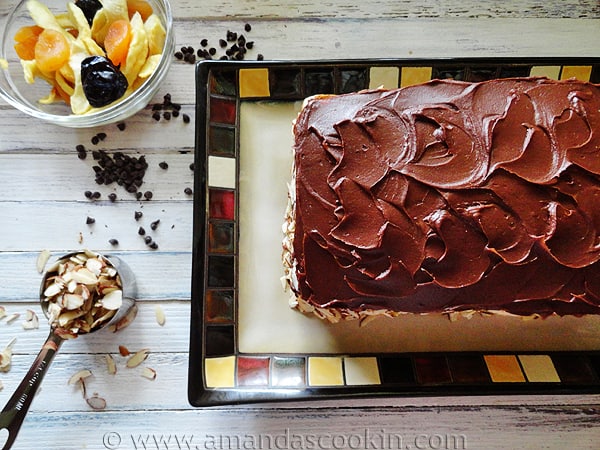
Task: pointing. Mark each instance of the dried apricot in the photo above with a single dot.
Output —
(116, 42)
(141, 6)
(25, 40)
(51, 50)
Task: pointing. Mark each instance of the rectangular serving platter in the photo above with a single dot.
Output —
(247, 345)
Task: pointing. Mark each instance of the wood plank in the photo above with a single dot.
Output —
(159, 275)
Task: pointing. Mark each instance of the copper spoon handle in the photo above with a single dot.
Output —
(13, 414)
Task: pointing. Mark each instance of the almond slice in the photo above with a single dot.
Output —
(79, 376)
(42, 259)
(124, 351)
(149, 373)
(110, 364)
(96, 402)
(138, 358)
(11, 318)
(160, 315)
(31, 321)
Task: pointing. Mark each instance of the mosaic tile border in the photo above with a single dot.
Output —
(218, 373)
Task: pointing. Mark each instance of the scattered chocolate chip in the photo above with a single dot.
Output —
(148, 195)
(154, 225)
(192, 167)
(95, 140)
(179, 55)
(141, 231)
(88, 194)
(260, 57)
(249, 45)
(138, 195)
(188, 191)
(153, 245)
(148, 240)
(112, 197)
(96, 195)
(163, 165)
(204, 42)
(186, 118)
(167, 115)
(247, 27)
(89, 220)
(121, 126)
(137, 215)
(101, 136)
(156, 116)
(113, 242)
(222, 43)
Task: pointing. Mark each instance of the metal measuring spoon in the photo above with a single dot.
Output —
(15, 410)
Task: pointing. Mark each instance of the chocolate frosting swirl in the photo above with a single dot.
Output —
(451, 196)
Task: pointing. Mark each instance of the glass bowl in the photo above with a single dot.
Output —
(25, 97)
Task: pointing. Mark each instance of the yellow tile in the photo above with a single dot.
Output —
(325, 371)
(220, 372)
(582, 73)
(361, 371)
(414, 75)
(539, 368)
(551, 72)
(504, 369)
(386, 77)
(254, 83)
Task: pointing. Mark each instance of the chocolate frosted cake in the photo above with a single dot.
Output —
(447, 197)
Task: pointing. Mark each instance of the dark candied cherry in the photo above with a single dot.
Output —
(89, 8)
(102, 82)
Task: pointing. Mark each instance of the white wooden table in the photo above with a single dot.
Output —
(42, 206)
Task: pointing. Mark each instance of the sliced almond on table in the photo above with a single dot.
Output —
(12, 317)
(96, 402)
(138, 358)
(31, 321)
(149, 373)
(160, 315)
(79, 376)
(110, 364)
(42, 259)
(124, 351)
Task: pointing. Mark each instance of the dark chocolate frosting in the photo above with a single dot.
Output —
(451, 196)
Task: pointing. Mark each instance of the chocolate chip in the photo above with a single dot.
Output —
(192, 167)
(153, 245)
(186, 118)
(163, 165)
(148, 195)
(101, 136)
(222, 43)
(247, 27)
(88, 194)
(137, 215)
(89, 220)
(96, 195)
(113, 242)
(121, 126)
(95, 140)
(141, 231)
(156, 116)
(204, 42)
(188, 191)
(260, 57)
(154, 225)
(148, 240)
(167, 115)
(112, 197)
(179, 55)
